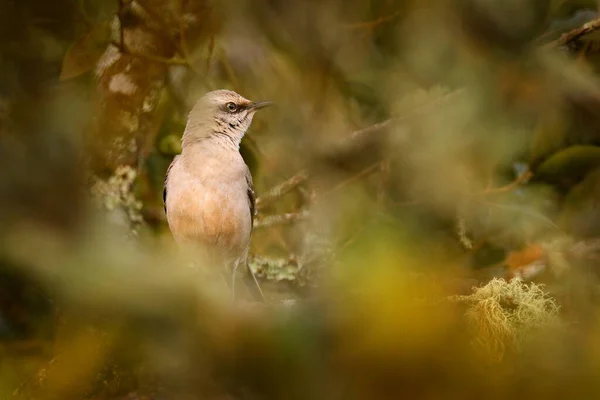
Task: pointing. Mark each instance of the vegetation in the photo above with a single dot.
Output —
(428, 188)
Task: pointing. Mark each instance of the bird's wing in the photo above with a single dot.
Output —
(251, 196)
(166, 180)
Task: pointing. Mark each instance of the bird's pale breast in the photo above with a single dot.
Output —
(210, 212)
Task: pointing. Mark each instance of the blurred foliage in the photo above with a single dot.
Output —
(420, 153)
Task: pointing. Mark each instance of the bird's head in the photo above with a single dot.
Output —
(221, 114)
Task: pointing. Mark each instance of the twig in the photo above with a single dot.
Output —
(352, 139)
(182, 41)
(30, 378)
(278, 236)
(280, 190)
(211, 49)
(521, 179)
(384, 177)
(282, 219)
(362, 174)
(374, 23)
(277, 192)
(427, 108)
(571, 36)
(531, 213)
(229, 69)
(370, 129)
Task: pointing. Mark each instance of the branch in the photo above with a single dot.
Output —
(571, 36)
(362, 174)
(374, 23)
(282, 219)
(522, 210)
(370, 129)
(355, 139)
(280, 190)
(427, 108)
(521, 179)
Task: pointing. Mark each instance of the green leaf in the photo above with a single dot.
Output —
(580, 214)
(170, 145)
(569, 165)
(84, 53)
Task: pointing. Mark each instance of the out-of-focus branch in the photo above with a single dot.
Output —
(362, 174)
(425, 109)
(281, 219)
(370, 129)
(355, 139)
(280, 190)
(182, 39)
(571, 36)
(374, 23)
(521, 179)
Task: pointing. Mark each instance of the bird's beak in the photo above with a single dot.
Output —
(259, 105)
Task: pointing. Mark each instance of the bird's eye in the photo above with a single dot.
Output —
(231, 107)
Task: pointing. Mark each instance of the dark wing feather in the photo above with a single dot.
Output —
(165, 184)
(250, 280)
(251, 196)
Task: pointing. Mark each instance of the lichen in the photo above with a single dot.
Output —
(129, 121)
(505, 315)
(151, 99)
(461, 232)
(274, 269)
(122, 83)
(109, 58)
(120, 147)
(116, 193)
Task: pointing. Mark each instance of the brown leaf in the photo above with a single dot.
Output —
(83, 54)
(522, 258)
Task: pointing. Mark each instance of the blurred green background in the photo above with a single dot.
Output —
(428, 199)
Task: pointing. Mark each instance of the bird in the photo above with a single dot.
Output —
(208, 194)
